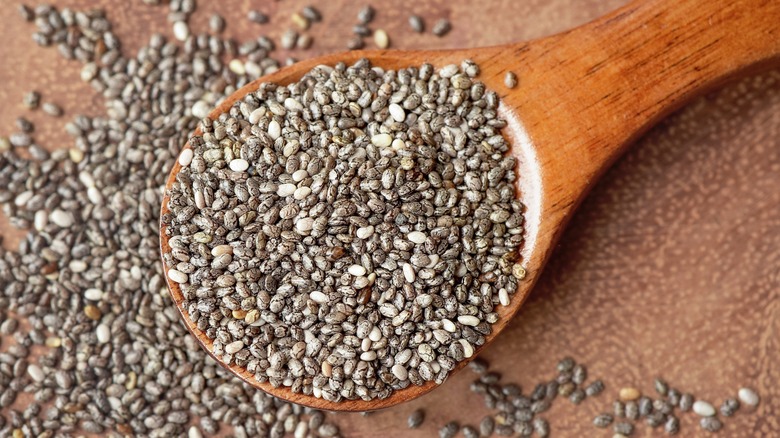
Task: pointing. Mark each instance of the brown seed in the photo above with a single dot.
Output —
(92, 312)
(629, 394)
(364, 296)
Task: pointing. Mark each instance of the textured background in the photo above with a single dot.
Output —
(671, 266)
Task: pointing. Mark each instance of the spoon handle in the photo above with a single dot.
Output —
(625, 71)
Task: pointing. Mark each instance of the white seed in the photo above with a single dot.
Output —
(237, 66)
(503, 297)
(185, 158)
(234, 347)
(400, 372)
(382, 140)
(79, 266)
(356, 270)
(398, 144)
(180, 30)
(748, 397)
(177, 276)
(35, 372)
(468, 350)
(194, 432)
(256, 115)
(23, 198)
(469, 320)
(365, 344)
(375, 334)
(86, 179)
(368, 355)
(201, 109)
(304, 225)
(221, 249)
(286, 189)
(301, 429)
(94, 196)
(301, 192)
(360, 282)
(327, 369)
(381, 39)
(318, 297)
(103, 333)
(93, 294)
(448, 325)
(274, 129)
(75, 154)
(408, 272)
(397, 112)
(62, 219)
(417, 237)
(300, 175)
(365, 232)
(41, 220)
(703, 408)
(239, 165)
(434, 260)
(293, 105)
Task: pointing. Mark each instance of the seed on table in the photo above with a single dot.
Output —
(602, 420)
(686, 402)
(628, 394)
(566, 389)
(32, 99)
(355, 43)
(51, 109)
(577, 396)
(181, 31)
(288, 39)
(565, 364)
(25, 12)
(366, 14)
(729, 407)
(304, 41)
(510, 80)
(486, 426)
(381, 40)
(300, 21)
(619, 409)
(541, 427)
(594, 388)
(710, 424)
(441, 28)
(672, 425)
(449, 430)
(216, 23)
(470, 432)
(415, 419)
(417, 24)
(661, 387)
(673, 396)
(579, 374)
(704, 409)
(24, 125)
(311, 13)
(624, 428)
(749, 397)
(655, 419)
(256, 16)
(632, 410)
(5, 144)
(645, 406)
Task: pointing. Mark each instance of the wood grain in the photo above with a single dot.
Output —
(669, 267)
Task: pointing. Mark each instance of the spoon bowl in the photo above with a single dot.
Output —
(583, 97)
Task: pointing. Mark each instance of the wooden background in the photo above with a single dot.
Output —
(671, 266)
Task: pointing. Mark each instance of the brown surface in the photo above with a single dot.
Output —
(669, 267)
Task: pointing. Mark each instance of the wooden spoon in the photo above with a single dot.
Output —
(583, 97)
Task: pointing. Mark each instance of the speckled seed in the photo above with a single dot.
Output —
(672, 425)
(686, 402)
(704, 409)
(729, 407)
(748, 397)
(417, 24)
(603, 420)
(710, 424)
(541, 427)
(441, 28)
(661, 387)
(415, 419)
(629, 394)
(623, 428)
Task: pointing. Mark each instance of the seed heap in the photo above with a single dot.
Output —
(350, 234)
(632, 406)
(87, 279)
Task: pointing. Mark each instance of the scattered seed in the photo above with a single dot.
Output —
(602, 420)
(51, 109)
(629, 394)
(416, 419)
(256, 16)
(710, 424)
(510, 80)
(748, 397)
(623, 428)
(366, 14)
(381, 39)
(311, 14)
(729, 407)
(417, 24)
(441, 28)
(216, 23)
